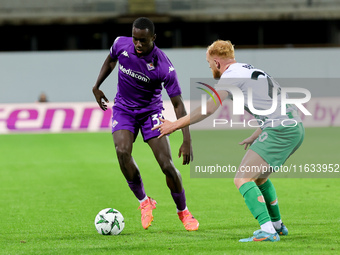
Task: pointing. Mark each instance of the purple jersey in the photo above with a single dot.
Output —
(140, 79)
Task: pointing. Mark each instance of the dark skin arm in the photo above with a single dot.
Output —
(185, 149)
(108, 65)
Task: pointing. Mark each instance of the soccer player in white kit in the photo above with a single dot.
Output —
(270, 145)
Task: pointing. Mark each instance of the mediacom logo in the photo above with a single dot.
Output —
(134, 74)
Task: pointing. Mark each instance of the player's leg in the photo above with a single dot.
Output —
(125, 128)
(269, 193)
(123, 140)
(162, 152)
(275, 146)
(252, 168)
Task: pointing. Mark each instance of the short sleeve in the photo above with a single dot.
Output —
(171, 83)
(113, 49)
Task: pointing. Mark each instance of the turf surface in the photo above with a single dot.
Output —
(53, 185)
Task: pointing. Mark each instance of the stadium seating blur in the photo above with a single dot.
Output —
(175, 16)
(14, 10)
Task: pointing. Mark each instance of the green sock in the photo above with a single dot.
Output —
(251, 193)
(269, 194)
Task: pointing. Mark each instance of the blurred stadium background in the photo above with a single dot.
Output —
(73, 37)
(93, 24)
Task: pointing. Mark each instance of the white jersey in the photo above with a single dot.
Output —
(263, 93)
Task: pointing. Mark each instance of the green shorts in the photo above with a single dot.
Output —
(275, 145)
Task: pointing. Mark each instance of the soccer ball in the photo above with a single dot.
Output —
(109, 221)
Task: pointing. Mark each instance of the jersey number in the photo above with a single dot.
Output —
(255, 75)
(155, 119)
(263, 136)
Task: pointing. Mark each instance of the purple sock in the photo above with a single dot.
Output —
(137, 188)
(179, 199)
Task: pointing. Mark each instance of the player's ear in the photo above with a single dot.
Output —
(217, 63)
(154, 37)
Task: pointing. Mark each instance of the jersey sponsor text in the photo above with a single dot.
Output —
(134, 74)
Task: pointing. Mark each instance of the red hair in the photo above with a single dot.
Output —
(224, 49)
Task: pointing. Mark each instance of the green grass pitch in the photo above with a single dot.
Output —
(53, 185)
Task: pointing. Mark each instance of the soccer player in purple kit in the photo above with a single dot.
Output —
(143, 70)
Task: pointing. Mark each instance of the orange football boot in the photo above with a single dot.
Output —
(189, 221)
(146, 208)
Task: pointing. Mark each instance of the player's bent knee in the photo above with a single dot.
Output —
(170, 170)
(123, 153)
(237, 182)
(240, 181)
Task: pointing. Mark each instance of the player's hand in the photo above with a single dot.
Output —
(186, 151)
(247, 142)
(167, 127)
(100, 98)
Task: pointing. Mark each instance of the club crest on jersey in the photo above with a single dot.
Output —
(114, 123)
(150, 66)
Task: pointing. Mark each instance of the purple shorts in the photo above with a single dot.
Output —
(137, 119)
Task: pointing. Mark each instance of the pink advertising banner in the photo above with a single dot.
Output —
(88, 117)
(53, 117)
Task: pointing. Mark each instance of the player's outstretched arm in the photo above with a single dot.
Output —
(107, 67)
(167, 127)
